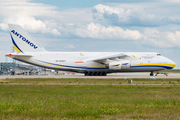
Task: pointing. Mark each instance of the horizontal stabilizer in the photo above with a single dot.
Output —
(12, 55)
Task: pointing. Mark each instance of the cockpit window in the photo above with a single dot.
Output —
(158, 54)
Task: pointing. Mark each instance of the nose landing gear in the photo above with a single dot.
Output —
(151, 74)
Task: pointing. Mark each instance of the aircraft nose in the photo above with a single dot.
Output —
(172, 63)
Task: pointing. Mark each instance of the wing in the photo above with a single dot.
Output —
(102, 58)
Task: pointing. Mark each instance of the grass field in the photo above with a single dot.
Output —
(92, 81)
(88, 102)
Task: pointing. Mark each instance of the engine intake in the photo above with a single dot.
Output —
(117, 65)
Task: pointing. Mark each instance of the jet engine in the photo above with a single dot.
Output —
(117, 65)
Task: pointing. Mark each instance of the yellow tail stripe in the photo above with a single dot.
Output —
(15, 48)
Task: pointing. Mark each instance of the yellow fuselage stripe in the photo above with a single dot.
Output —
(157, 64)
(53, 65)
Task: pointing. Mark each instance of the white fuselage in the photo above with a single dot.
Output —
(90, 63)
(66, 61)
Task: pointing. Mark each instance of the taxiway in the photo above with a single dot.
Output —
(115, 76)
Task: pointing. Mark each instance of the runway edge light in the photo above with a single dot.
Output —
(161, 81)
(130, 81)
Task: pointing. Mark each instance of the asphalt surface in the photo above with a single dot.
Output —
(115, 76)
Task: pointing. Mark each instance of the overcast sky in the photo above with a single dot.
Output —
(95, 25)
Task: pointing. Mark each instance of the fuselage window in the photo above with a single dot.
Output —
(158, 54)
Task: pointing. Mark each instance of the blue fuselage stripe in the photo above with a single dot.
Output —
(166, 67)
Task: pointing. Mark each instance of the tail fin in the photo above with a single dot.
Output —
(22, 41)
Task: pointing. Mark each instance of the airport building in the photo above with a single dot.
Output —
(11, 68)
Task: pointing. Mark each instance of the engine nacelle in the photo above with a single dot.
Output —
(117, 65)
(126, 64)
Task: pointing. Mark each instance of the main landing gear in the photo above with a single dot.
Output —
(95, 73)
(151, 74)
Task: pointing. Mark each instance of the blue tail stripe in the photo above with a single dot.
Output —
(14, 43)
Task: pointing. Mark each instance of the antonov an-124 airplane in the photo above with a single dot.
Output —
(89, 63)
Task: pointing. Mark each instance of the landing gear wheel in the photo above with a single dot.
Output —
(95, 73)
(99, 74)
(91, 73)
(86, 73)
(151, 74)
(104, 73)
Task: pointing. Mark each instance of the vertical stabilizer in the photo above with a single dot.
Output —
(22, 41)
